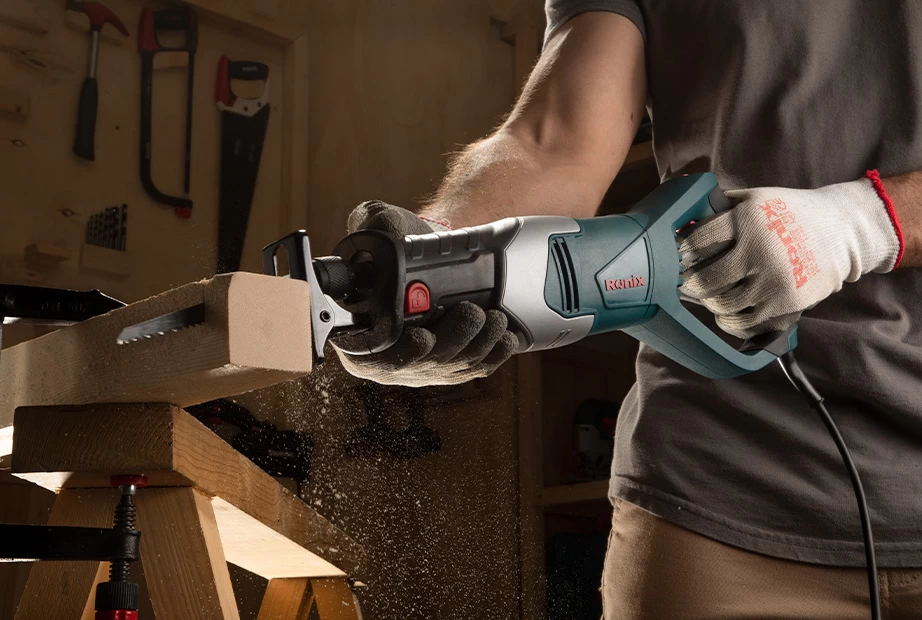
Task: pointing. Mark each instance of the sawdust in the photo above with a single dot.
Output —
(441, 532)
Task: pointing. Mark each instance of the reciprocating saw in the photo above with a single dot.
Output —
(558, 279)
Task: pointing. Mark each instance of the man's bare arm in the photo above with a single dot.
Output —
(906, 193)
(567, 136)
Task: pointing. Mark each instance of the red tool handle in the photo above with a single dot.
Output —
(228, 70)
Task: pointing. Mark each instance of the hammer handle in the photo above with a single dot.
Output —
(86, 120)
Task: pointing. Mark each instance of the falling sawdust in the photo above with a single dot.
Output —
(441, 532)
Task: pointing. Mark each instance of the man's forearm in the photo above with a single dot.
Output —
(906, 193)
(567, 136)
(502, 176)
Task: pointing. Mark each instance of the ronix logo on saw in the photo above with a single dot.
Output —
(617, 285)
(627, 278)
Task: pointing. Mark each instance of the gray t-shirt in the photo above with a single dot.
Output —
(795, 93)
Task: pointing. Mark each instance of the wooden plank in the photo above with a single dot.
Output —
(28, 15)
(574, 493)
(20, 502)
(102, 574)
(82, 446)
(60, 590)
(295, 137)
(531, 517)
(256, 333)
(258, 548)
(278, 27)
(184, 564)
(334, 600)
(287, 599)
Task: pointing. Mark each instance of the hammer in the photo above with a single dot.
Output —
(89, 95)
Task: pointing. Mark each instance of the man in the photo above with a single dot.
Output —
(730, 500)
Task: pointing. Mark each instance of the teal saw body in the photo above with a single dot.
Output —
(558, 279)
(624, 271)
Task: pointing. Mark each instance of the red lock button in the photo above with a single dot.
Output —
(416, 299)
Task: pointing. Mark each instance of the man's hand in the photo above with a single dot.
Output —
(467, 343)
(781, 251)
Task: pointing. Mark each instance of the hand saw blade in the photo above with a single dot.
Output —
(161, 325)
(241, 150)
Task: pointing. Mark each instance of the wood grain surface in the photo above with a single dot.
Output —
(256, 333)
(183, 560)
(264, 527)
(287, 599)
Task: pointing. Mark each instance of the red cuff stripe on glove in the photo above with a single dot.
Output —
(874, 177)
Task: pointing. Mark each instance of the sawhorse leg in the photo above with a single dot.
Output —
(183, 559)
(184, 564)
(64, 590)
(296, 599)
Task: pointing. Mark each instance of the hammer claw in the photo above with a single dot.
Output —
(100, 15)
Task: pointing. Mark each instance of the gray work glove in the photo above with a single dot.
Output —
(466, 343)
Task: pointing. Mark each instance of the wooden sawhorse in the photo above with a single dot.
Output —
(205, 505)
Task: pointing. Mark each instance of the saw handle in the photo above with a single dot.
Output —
(84, 141)
(246, 70)
(674, 330)
(180, 18)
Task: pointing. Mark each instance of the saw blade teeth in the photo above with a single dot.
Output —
(153, 335)
(163, 325)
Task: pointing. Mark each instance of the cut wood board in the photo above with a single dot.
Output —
(256, 333)
(264, 528)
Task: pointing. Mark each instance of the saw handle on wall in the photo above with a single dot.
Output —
(181, 18)
(245, 70)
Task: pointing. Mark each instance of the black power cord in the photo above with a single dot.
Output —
(797, 377)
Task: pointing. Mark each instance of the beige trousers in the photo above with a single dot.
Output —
(655, 570)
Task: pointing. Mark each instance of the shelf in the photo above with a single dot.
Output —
(596, 490)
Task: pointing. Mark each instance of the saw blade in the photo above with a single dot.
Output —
(165, 324)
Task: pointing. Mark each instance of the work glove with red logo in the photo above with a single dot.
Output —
(780, 251)
(466, 343)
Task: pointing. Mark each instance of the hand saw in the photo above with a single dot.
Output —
(243, 130)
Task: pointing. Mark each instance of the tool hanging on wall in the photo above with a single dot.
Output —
(243, 130)
(108, 228)
(178, 19)
(84, 142)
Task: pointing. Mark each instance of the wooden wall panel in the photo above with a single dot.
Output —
(42, 178)
(395, 87)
